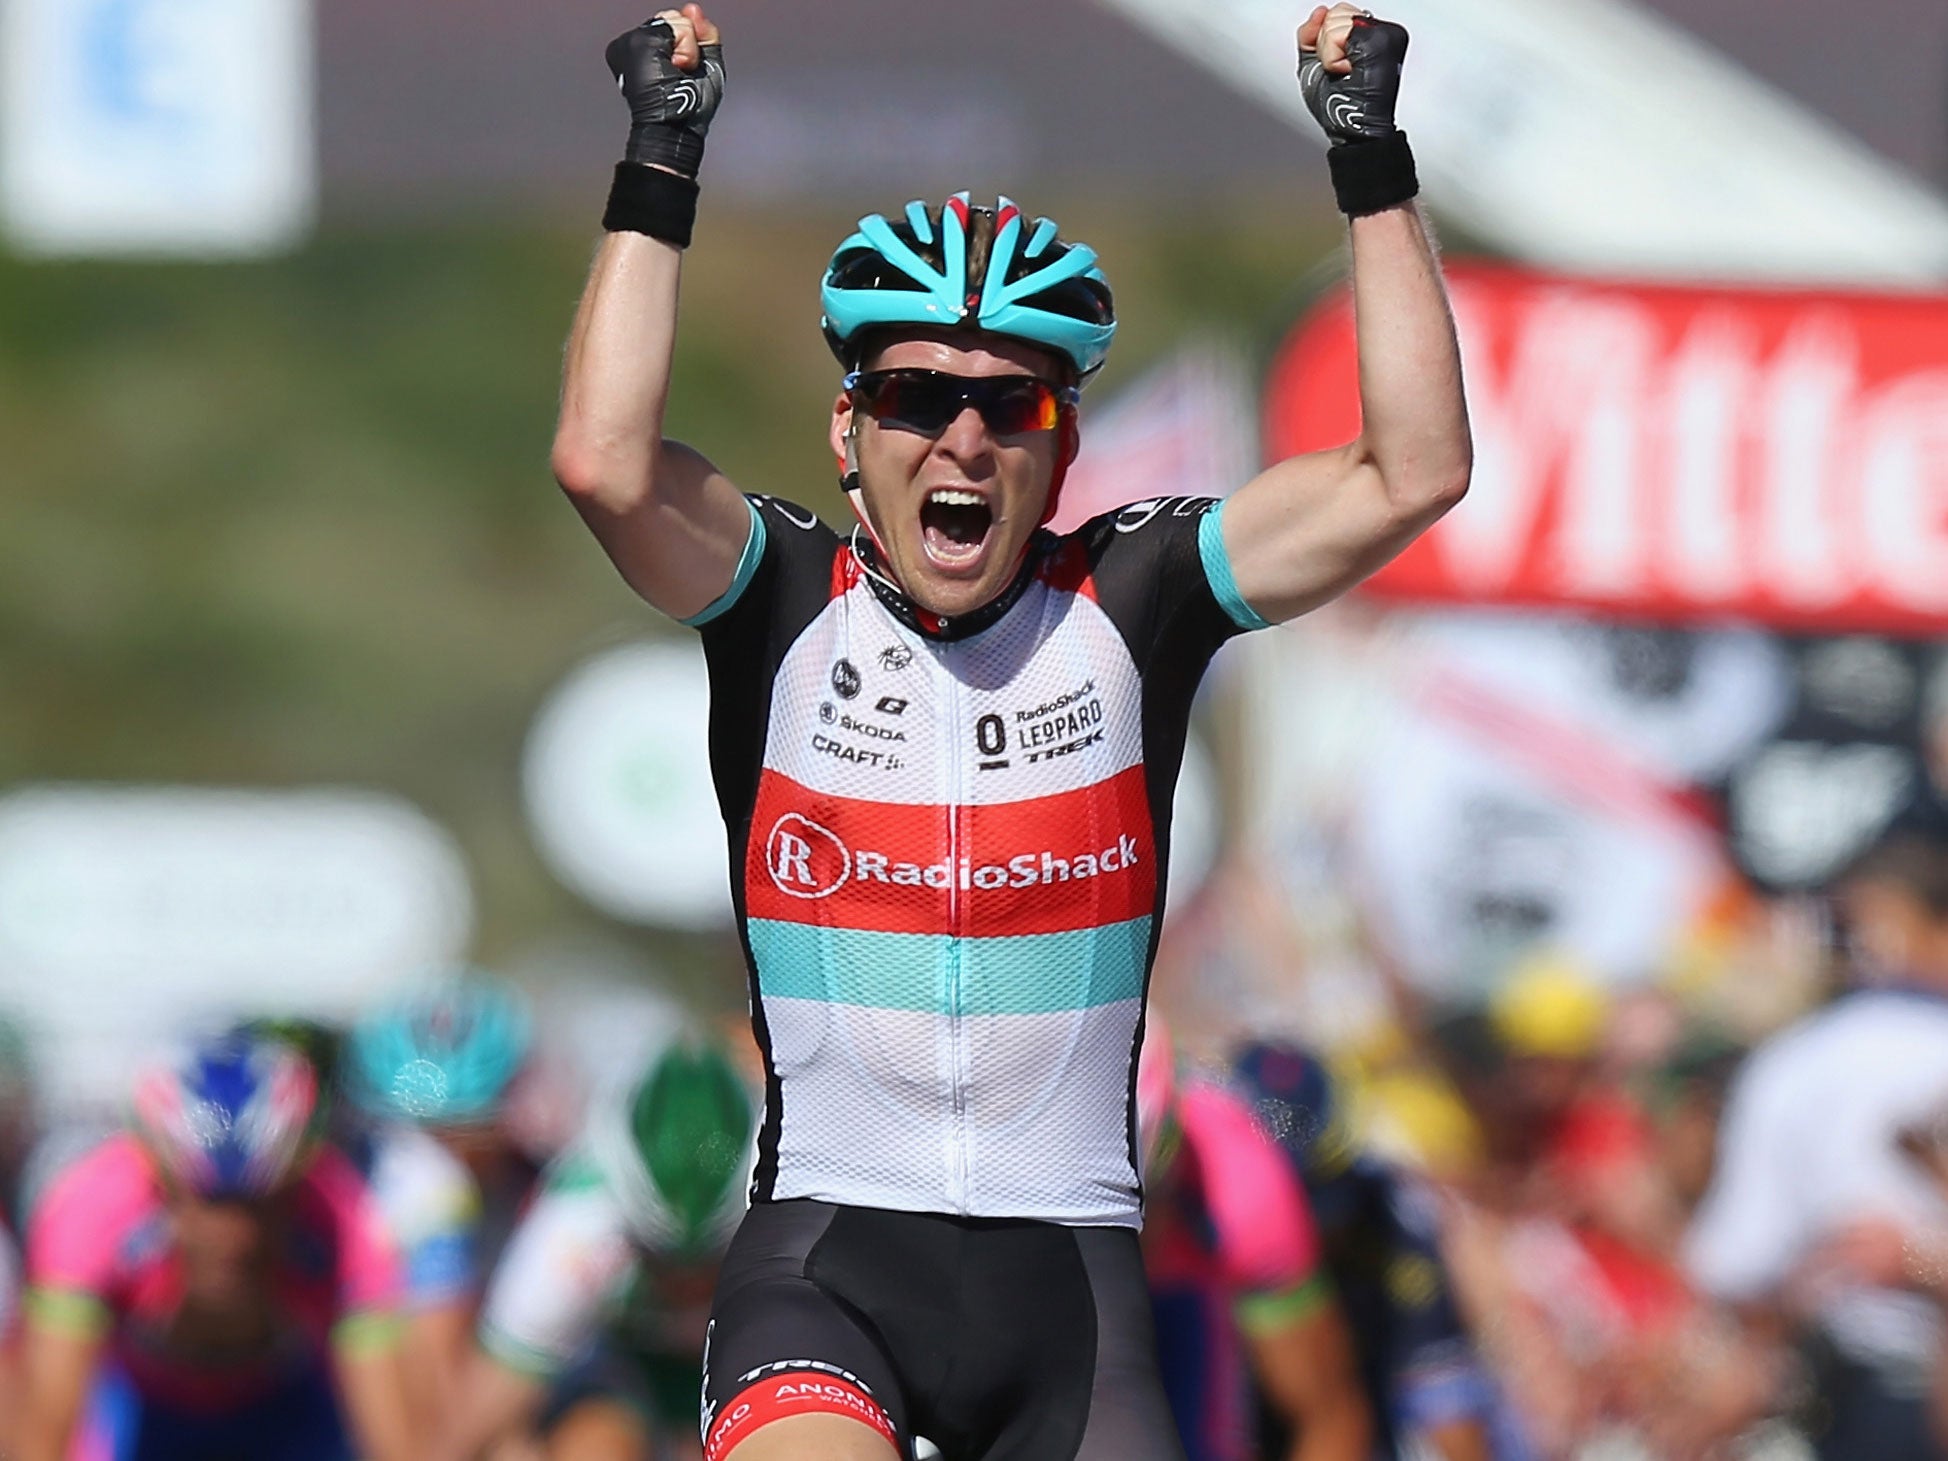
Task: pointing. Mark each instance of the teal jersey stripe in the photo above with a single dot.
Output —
(1031, 974)
(1217, 569)
(747, 567)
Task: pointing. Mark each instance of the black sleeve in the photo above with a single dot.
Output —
(1152, 563)
(745, 636)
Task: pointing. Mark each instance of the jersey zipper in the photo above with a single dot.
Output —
(952, 734)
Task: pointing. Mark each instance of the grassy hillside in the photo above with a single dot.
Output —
(291, 521)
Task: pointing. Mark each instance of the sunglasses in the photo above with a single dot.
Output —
(928, 401)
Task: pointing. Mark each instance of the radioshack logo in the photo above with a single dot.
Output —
(805, 859)
(809, 861)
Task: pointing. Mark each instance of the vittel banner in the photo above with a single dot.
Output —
(1682, 454)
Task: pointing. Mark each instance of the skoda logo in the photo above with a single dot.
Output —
(845, 680)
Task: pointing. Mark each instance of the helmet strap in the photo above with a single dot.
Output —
(1067, 446)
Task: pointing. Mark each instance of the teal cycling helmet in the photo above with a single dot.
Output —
(677, 1152)
(962, 267)
(444, 1056)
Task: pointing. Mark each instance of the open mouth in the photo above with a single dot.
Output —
(954, 526)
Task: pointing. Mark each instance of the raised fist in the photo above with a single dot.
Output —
(670, 69)
(1349, 71)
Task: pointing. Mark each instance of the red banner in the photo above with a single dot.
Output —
(1681, 454)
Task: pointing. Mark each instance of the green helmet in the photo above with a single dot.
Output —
(678, 1151)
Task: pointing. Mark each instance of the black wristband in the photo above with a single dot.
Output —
(1368, 176)
(649, 200)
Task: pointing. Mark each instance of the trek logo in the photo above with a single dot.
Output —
(806, 860)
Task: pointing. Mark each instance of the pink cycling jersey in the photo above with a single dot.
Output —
(101, 1252)
(1254, 1233)
(1229, 1245)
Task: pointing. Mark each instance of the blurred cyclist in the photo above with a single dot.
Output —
(1381, 1239)
(945, 742)
(10, 1397)
(216, 1279)
(593, 1328)
(432, 1071)
(1236, 1281)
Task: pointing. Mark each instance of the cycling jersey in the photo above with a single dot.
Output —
(947, 845)
(432, 1209)
(100, 1256)
(1230, 1250)
(9, 1288)
(1380, 1236)
(573, 1302)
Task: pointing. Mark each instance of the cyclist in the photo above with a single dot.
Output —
(1382, 1246)
(9, 1339)
(432, 1071)
(1236, 1282)
(219, 1281)
(595, 1320)
(944, 743)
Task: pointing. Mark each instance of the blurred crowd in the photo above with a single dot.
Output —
(1562, 1221)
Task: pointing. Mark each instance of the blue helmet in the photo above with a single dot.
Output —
(443, 1056)
(959, 266)
(1300, 1103)
(230, 1118)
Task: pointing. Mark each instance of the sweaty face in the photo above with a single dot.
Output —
(953, 508)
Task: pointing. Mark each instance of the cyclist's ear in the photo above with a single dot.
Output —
(842, 436)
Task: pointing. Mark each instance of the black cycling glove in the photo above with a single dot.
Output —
(1359, 105)
(1372, 167)
(669, 108)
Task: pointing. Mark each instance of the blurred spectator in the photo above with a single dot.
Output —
(1236, 1282)
(433, 1072)
(1380, 1234)
(1815, 1224)
(592, 1336)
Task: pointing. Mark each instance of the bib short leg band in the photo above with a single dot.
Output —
(997, 1339)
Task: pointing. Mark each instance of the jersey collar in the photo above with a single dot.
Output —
(934, 626)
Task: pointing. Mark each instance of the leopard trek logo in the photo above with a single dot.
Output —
(804, 859)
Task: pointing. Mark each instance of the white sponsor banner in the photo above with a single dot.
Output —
(1590, 134)
(1490, 788)
(156, 126)
(127, 913)
(616, 778)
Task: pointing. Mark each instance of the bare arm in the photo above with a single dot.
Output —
(1312, 526)
(57, 1364)
(673, 525)
(495, 1402)
(1308, 1373)
(372, 1385)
